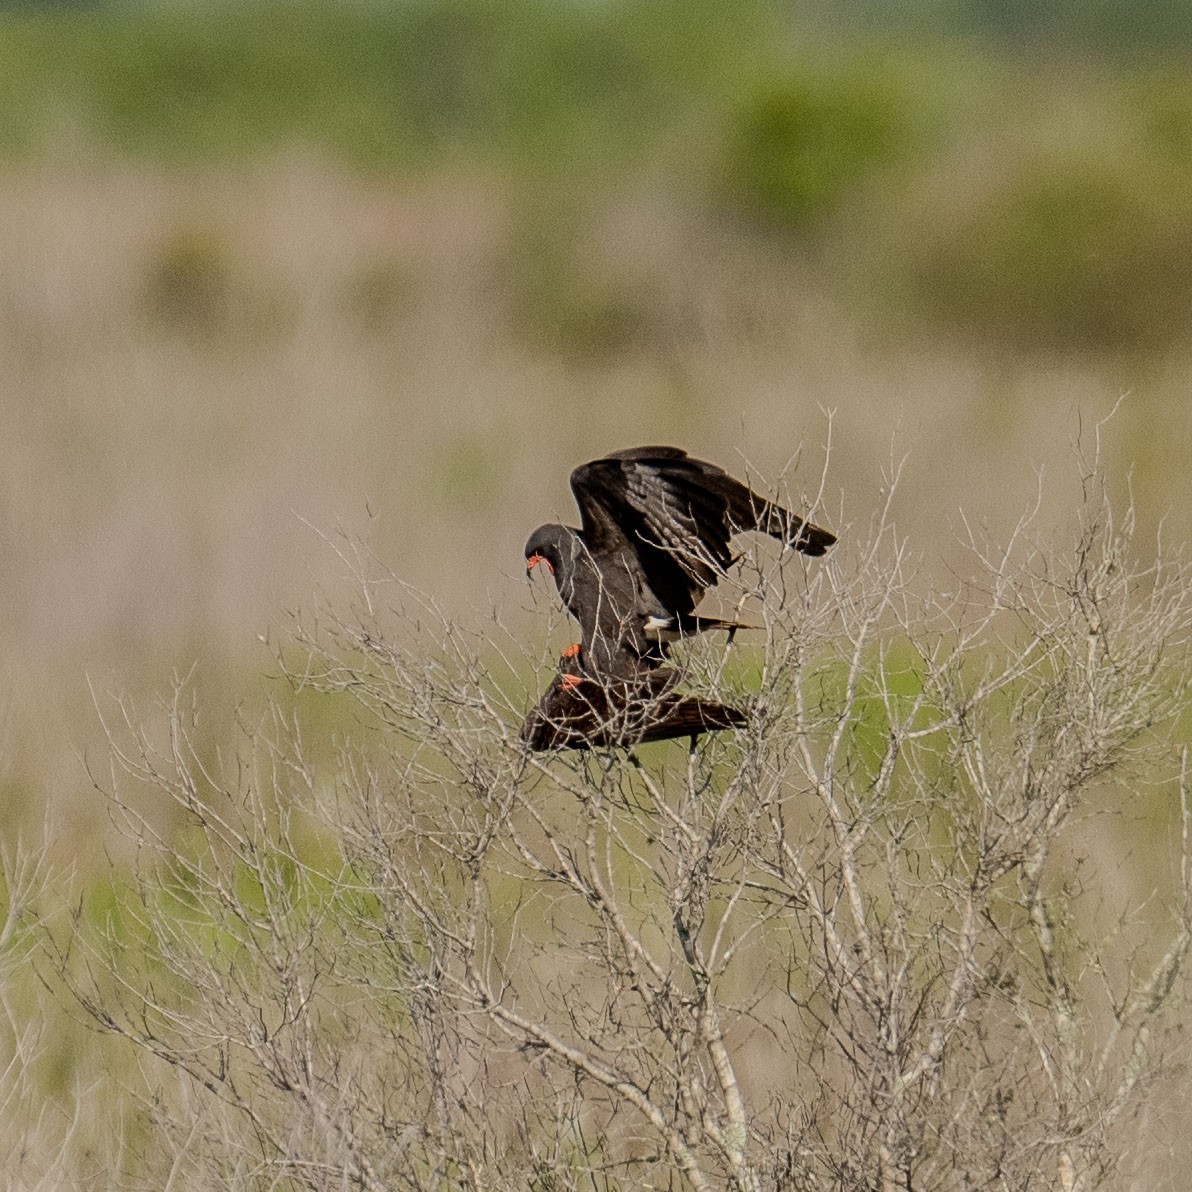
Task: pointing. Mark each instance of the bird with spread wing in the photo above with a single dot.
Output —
(656, 533)
(656, 528)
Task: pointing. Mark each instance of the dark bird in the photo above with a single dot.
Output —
(582, 711)
(655, 533)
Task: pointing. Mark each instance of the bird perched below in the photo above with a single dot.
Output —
(655, 534)
(582, 711)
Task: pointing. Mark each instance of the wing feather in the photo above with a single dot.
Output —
(632, 501)
(678, 516)
(672, 506)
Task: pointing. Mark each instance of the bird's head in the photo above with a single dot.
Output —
(555, 547)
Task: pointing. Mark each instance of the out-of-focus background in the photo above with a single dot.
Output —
(273, 270)
(398, 267)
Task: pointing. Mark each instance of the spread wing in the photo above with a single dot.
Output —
(675, 514)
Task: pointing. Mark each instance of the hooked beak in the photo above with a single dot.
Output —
(533, 560)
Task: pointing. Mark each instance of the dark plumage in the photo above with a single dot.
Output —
(656, 528)
(580, 711)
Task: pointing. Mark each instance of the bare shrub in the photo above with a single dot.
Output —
(53, 1140)
(877, 939)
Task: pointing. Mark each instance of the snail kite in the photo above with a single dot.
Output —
(655, 533)
(580, 710)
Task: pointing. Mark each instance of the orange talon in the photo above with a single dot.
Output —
(534, 560)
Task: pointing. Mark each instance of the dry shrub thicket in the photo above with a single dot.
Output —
(862, 944)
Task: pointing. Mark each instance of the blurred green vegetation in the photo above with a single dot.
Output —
(799, 144)
(1081, 256)
(848, 133)
(380, 85)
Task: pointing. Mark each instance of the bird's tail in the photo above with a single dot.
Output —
(674, 628)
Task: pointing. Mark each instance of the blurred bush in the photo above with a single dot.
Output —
(799, 144)
(188, 285)
(1076, 259)
(378, 294)
(195, 285)
(569, 301)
